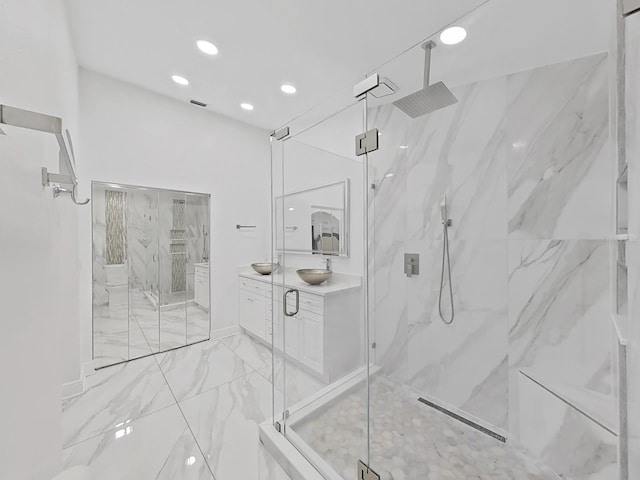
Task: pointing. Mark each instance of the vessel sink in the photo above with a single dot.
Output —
(314, 276)
(262, 268)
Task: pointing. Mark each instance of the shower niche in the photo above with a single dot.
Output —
(150, 270)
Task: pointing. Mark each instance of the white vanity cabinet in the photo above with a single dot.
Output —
(254, 307)
(201, 284)
(323, 337)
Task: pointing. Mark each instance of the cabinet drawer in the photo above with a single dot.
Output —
(202, 274)
(312, 303)
(253, 286)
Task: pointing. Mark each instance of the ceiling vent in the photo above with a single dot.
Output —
(200, 104)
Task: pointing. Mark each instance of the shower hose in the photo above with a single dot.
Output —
(446, 259)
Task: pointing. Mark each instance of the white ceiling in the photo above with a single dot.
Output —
(320, 46)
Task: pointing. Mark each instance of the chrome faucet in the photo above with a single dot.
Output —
(327, 263)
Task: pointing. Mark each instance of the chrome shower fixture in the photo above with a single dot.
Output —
(17, 117)
(446, 261)
(431, 97)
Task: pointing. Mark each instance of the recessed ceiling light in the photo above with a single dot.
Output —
(287, 88)
(291, 209)
(453, 35)
(404, 147)
(207, 47)
(179, 80)
(246, 106)
(389, 175)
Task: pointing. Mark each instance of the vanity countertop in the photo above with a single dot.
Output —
(201, 265)
(338, 283)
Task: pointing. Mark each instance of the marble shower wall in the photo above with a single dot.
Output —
(525, 164)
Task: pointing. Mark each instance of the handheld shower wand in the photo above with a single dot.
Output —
(446, 222)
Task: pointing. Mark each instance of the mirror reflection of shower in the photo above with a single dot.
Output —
(150, 270)
(325, 230)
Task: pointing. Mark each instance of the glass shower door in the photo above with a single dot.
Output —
(320, 369)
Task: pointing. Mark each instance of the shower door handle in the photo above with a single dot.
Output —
(284, 302)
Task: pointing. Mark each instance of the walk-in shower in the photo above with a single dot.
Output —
(472, 366)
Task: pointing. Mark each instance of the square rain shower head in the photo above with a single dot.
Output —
(427, 100)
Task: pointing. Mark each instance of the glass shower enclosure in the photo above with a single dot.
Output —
(504, 146)
(150, 271)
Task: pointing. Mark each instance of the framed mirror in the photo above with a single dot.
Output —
(315, 220)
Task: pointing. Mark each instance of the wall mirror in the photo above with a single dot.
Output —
(315, 220)
(150, 270)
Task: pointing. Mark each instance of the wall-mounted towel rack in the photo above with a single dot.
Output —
(46, 123)
(240, 227)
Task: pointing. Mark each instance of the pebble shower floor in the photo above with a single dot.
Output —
(411, 441)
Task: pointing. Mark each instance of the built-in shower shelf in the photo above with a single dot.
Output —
(597, 407)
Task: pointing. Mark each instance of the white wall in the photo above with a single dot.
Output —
(38, 245)
(136, 137)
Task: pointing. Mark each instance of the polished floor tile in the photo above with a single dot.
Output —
(130, 424)
(225, 421)
(295, 381)
(251, 351)
(159, 446)
(114, 395)
(195, 369)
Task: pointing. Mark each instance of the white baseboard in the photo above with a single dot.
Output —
(225, 332)
(71, 389)
(89, 368)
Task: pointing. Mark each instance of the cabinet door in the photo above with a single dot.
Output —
(312, 341)
(251, 310)
(292, 336)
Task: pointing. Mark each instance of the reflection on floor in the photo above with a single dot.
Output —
(192, 413)
(410, 440)
(136, 329)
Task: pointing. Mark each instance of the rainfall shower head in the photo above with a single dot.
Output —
(431, 97)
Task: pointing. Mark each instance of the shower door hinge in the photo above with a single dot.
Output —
(365, 473)
(367, 142)
(280, 134)
(366, 85)
(278, 427)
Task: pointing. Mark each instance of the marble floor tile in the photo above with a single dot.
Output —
(251, 351)
(197, 368)
(114, 395)
(158, 446)
(299, 384)
(225, 422)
